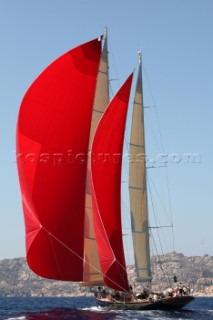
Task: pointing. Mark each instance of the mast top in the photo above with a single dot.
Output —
(105, 33)
(140, 56)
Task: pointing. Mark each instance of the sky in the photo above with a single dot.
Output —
(176, 41)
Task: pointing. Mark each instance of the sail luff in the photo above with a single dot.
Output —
(138, 186)
(106, 163)
(92, 275)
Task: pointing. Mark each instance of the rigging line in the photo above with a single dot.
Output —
(155, 216)
(122, 268)
(111, 91)
(153, 132)
(77, 255)
(126, 209)
(126, 141)
(125, 149)
(167, 213)
(148, 82)
(125, 173)
(154, 243)
(155, 106)
(157, 255)
(126, 216)
(127, 252)
(162, 145)
(159, 261)
(125, 169)
(115, 66)
(158, 195)
(170, 207)
(54, 254)
(126, 212)
(166, 172)
(160, 227)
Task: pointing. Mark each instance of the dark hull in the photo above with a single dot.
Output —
(174, 303)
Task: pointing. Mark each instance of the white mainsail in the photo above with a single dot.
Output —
(138, 186)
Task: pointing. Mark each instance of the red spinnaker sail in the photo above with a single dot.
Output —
(106, 163)
(52, 143)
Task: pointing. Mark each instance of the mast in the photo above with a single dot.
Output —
(92, 272)
(138, 186)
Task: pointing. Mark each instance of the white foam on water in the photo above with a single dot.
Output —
(16, 318)
(90, 309)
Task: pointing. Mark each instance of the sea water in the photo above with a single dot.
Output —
(23, 308)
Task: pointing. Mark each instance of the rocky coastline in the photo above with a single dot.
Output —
(16, 279)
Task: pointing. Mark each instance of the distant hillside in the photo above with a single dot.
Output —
(195, 271)
(16, 279)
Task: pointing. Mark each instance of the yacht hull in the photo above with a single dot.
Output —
(173, 303)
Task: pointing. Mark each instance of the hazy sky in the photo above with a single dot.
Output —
(176, 40)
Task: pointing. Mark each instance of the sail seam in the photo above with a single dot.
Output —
(136, 188)
(136, 145)
(91, 273)
(139, 232)
(104, 72)
(37, 233)
(89, 238)
(138, 104)
(99, 111)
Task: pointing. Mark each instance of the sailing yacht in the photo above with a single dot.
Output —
(69, 157)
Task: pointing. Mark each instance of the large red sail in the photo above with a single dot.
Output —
(106, 163)
(52, 144)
